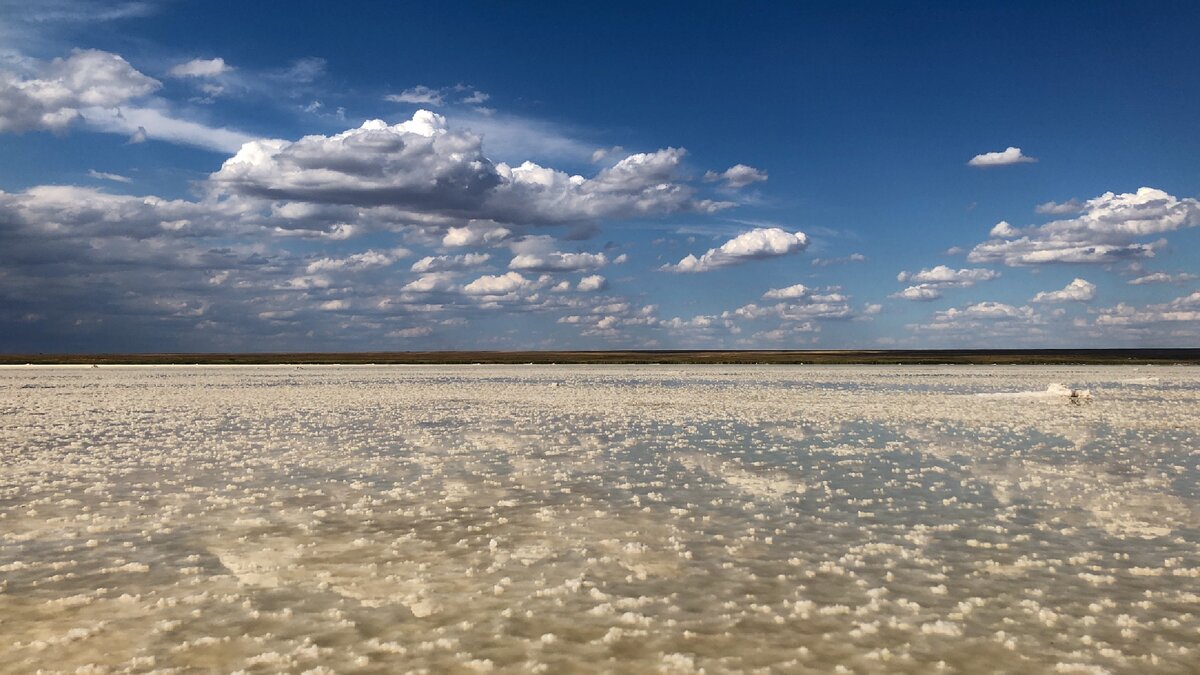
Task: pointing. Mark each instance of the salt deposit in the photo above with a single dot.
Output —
(585, 519)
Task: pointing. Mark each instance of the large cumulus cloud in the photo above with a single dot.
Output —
(51, 96)
(1107, 230)
(424, 166)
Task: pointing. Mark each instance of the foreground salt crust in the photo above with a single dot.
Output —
(633, 519)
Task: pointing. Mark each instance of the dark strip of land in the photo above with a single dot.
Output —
(882, 357)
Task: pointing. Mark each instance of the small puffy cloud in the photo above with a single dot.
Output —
(919, 293)
(593, 282)
(793, 291)
(1003, 230)
(476, 97)
(200, 68)
(420, 95)
(1164, 278)
(475, 235)
(1009, 155)
(355, 262)
(1059, 208)
(1079, 290)
(1106, 231)
(556, 261)
(737, 176)
(442, 263)
(501, 284)
(56, 94)
(757, 244)
(432, 282)
(942, 275)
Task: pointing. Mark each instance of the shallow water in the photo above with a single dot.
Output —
(609, 518)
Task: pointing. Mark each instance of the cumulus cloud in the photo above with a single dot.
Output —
(796, 305)
(424, 166)
(475, 235)
(431, 283)
(355, 262)
(930, 282)
(942, 275)
(1182, 309)
(1079, 290)
(52, 96)
(501, 284)
(442, 263)
(756, 244)
(793, 291)
(420, 95)
(594, 282)
(556, 261)
(1005, 157)
(920, 293)
(203, 68)
(1164, 278)
(1106, 231)
(737, 176)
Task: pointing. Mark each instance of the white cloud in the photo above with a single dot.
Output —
(1105, 231)
(1003, 230)
(442, 263)
(200, 68)
(101, 175)
(942, 275)
(1164, 278)
(355, 262)
(423, 166)
(920, 293)
(757, 244)
(502, 284)
(420, 95)
(930, 282)
(556, 261)
(793, 291)
(594, 282)
(55, 94)
(1005, 157)
(475, 235)
(1059, 208)
(430, 283)
(147, 122)
(737, 176)
(1182, 309)
(1079, 290)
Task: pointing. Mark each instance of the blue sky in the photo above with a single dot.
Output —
(362, 176)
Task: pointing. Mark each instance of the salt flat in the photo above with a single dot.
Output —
(609, 518)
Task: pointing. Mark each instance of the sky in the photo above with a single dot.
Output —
(363, 176)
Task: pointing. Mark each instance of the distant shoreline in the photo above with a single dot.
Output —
(632, 357)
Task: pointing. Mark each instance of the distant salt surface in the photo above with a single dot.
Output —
(589, 519)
